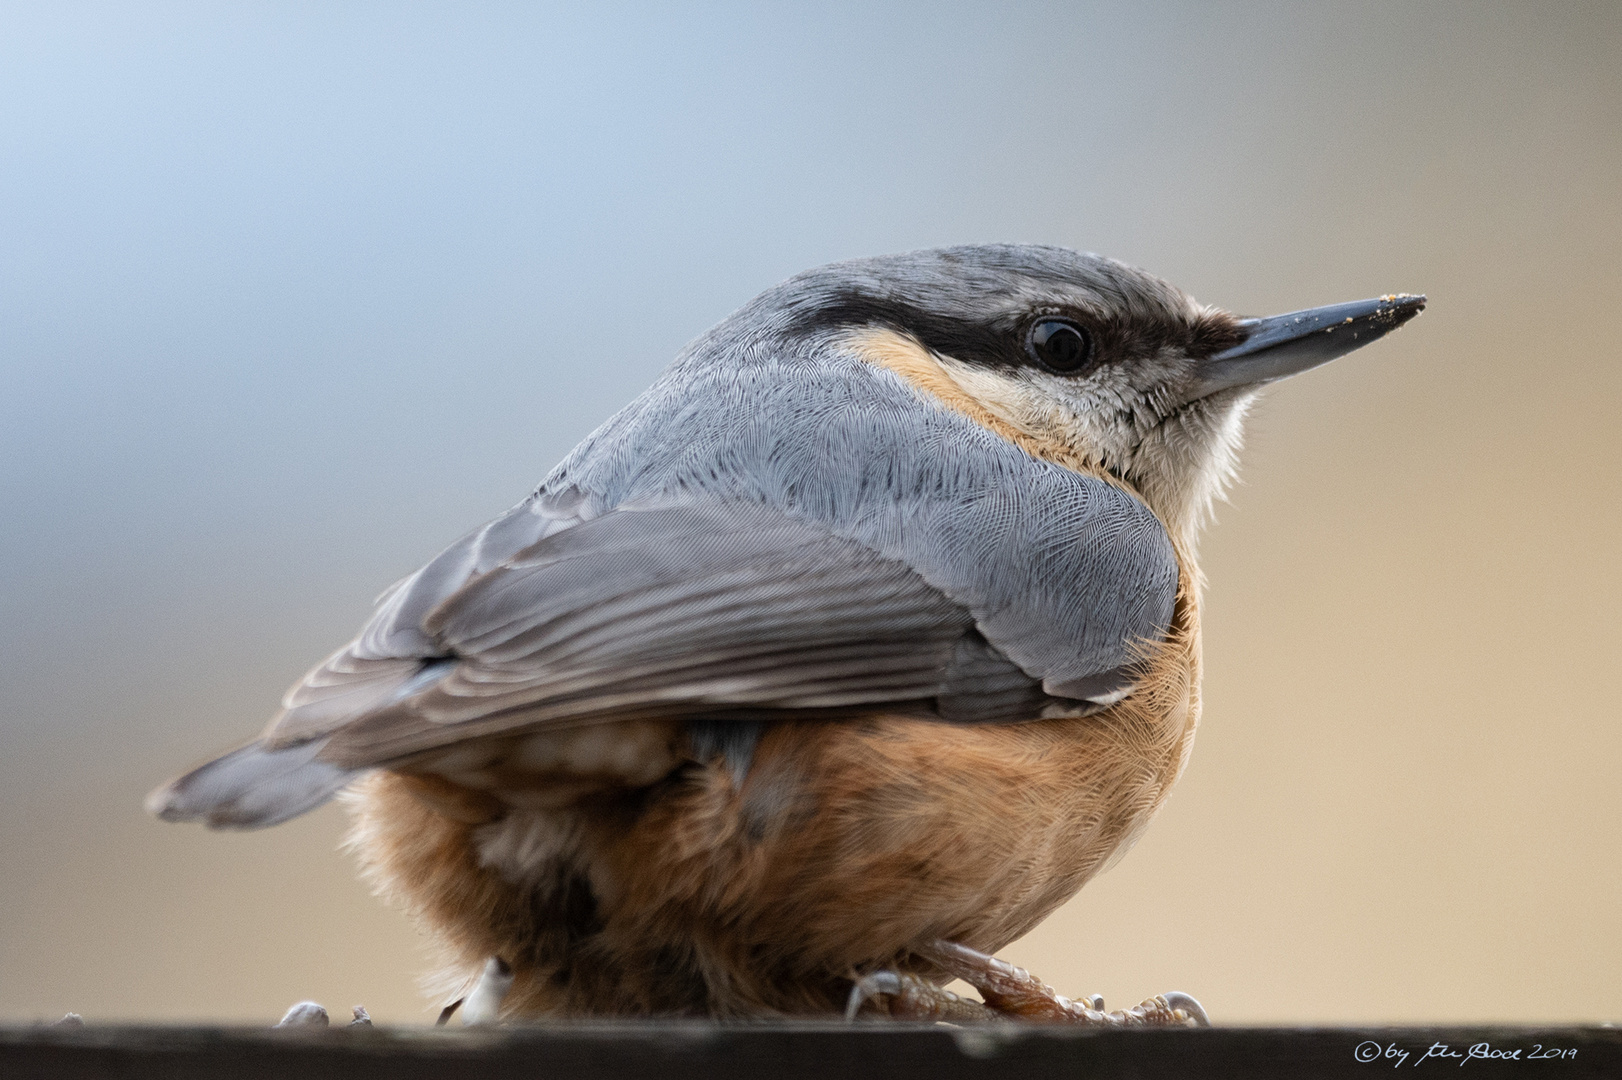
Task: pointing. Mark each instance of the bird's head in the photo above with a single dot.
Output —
(1080, 358)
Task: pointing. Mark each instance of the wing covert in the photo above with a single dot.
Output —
(658, 610)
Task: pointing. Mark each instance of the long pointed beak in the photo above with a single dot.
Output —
(1285, 345)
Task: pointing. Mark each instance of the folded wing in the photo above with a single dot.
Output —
(669, 611)
(706, 607)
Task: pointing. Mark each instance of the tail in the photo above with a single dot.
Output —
(252, 787)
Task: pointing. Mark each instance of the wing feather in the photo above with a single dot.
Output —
(697, 607)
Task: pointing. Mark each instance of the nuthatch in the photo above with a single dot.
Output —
(833, 663)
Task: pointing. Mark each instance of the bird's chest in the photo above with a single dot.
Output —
(846, 844)
(853, 838)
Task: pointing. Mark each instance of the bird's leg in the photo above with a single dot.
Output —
(907, 997)
(1014, 992)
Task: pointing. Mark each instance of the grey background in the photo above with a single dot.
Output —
(291, 296)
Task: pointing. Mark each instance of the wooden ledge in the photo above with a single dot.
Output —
(676, 1050)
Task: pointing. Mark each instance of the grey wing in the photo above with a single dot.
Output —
(559, 616)
(680, 610)
(268, 781)
(394, 652)
(252, 787)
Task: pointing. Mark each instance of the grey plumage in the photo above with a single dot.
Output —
(1060, 570)
(775, 525)
(677, 610)
(251, 787)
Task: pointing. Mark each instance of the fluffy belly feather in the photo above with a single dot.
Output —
(647, 882)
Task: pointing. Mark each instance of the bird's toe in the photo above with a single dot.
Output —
(304, 1014)
(1186, 1005)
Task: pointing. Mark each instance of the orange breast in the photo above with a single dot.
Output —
(848, 842)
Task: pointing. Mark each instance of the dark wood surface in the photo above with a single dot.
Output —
(679, 1050)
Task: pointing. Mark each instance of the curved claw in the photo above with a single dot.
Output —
(304, 1014)
(1185, 1002)
(869, 987)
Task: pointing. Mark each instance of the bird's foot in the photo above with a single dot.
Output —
(305, 1014)
(907, 997)
(1009, 993)
(311, 1014)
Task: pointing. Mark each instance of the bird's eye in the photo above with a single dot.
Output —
(1059, 346)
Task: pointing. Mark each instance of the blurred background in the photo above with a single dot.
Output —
(293, 295)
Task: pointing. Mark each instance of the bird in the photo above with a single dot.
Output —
(826, 668)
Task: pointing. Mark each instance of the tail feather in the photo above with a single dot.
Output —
(252, 787)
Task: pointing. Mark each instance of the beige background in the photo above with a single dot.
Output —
(289, 300)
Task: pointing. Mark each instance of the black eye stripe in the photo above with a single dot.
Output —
(1060, 346)
(1004, 343)
(974, 342)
